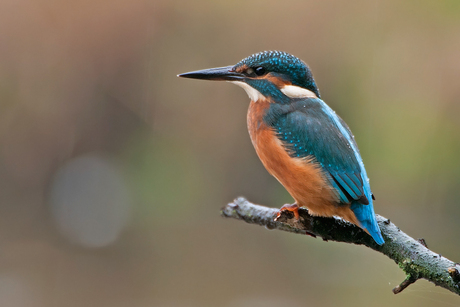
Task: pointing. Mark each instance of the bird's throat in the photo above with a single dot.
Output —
(253, 94)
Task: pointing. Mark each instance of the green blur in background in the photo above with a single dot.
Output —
(113, 170)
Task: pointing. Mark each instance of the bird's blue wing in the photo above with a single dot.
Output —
(307, 130)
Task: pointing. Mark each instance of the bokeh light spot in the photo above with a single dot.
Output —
(90, 201)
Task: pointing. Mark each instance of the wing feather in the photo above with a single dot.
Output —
(308, 131)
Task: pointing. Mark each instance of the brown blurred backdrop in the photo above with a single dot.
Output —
(113, 170)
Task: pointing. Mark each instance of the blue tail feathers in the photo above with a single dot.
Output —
(365, 215)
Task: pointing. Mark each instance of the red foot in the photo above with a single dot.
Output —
(294, 208)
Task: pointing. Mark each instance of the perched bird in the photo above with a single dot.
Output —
(300, 140)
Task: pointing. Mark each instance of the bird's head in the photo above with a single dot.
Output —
(276, 75)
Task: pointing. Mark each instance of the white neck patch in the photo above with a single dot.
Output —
(253, 94)
(293, 91)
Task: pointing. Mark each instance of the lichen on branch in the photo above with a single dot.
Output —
(411, 255)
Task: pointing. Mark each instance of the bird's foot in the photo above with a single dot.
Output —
(294, 208)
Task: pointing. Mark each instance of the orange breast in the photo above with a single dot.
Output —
(303, 180)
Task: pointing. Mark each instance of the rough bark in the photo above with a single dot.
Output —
(411, 255)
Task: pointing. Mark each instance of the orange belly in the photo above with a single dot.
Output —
(304, 180)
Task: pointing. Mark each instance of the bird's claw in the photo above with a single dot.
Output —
(294, 208)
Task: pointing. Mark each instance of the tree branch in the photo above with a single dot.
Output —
(411, 255)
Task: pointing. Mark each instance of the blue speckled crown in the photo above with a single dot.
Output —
(288, 66)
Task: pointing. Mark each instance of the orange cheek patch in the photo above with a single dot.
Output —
(242, 68)
(278, 82)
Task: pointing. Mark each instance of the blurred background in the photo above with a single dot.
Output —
(113, 170)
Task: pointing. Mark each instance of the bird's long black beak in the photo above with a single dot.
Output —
(217, 74)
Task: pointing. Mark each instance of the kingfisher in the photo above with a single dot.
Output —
(300, 140)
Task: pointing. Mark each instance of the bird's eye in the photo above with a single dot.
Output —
(255, 72)
(260, 71)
